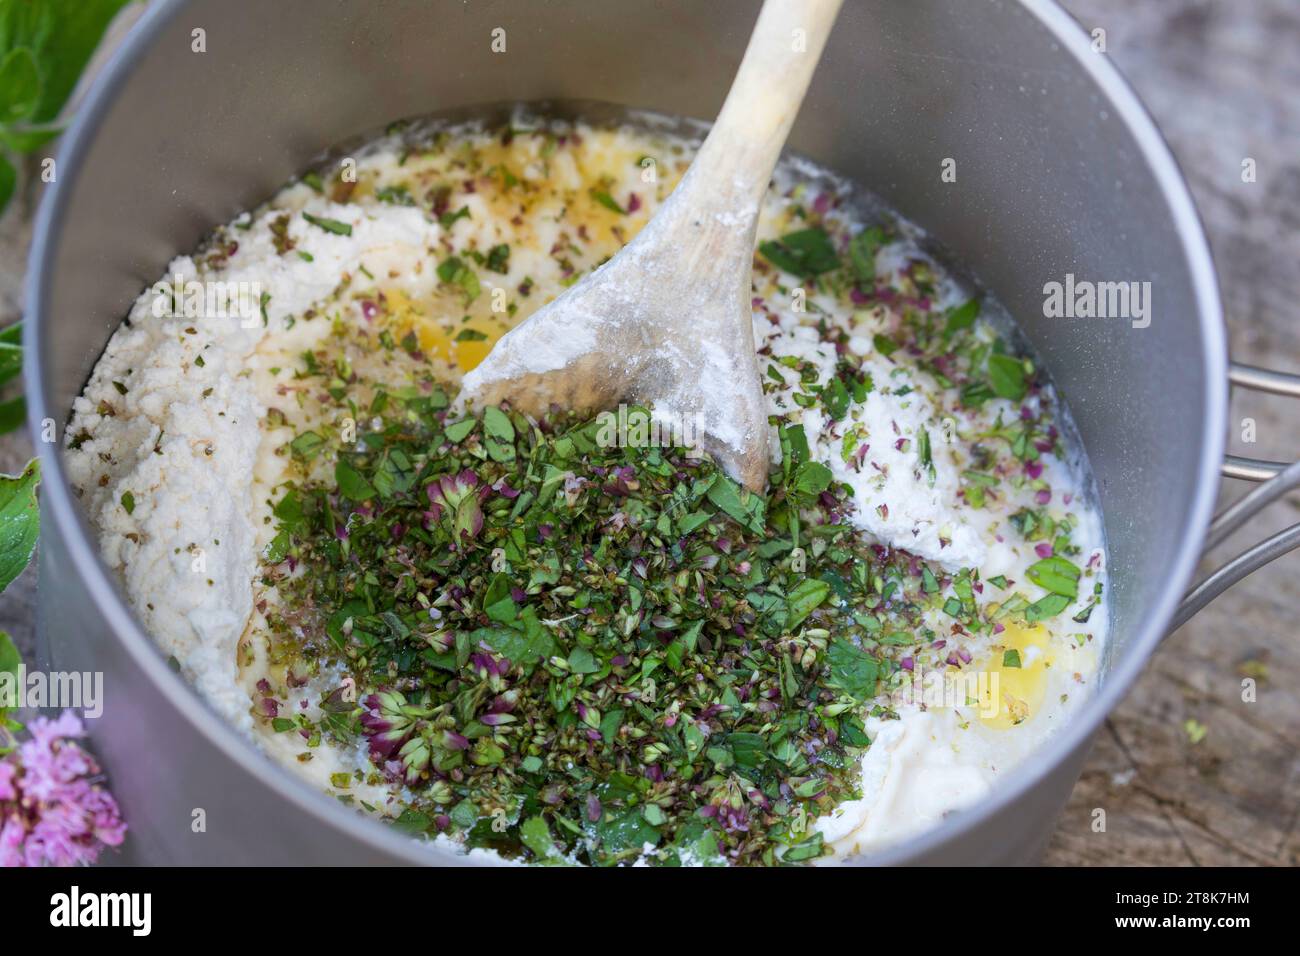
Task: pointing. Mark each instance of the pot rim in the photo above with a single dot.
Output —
(60, 504)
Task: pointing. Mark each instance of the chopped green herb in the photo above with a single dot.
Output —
(608, 201)
(1007, 377)
(862, 255)
(806, 253)
(448, 219)
(329, 225)
(1057, 575)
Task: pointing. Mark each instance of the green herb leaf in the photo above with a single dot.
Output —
(1057, 575)
(454, 271)
(459, 431)
(806, 253)
(10, 660)
(448, 219)
(742, 505)
(20, 521)
(413, 822)
(862, 255)
(536, 835)
(11, 360)
(1048, 606)
(853, 670)
(625, 830)
(329, 225)
(608, 201)
(13, 412)
(394, 196)
(20, 85)
(61, 36)
(520, 646)
(836, 399)
(306, 446)
(794, 444)
(290, 513)
(804, 599)
(809, 849)
(496, 424)
(498, 259)
(924, 454)
(351, 484)
(811, 479)
(1007, 377)
(962, 317)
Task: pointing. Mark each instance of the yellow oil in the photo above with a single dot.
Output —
(462, 334)
(442, 338)
(1019, 691)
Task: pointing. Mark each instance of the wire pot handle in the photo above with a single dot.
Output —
(1276, 479)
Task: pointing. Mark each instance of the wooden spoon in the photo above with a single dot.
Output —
(667, 321)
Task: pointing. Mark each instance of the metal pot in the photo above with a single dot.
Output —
(1059, 170)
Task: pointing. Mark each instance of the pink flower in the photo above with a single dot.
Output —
(53, 810)
(8, 790)
(11, 843)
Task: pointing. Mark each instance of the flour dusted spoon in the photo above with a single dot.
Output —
(667, 321)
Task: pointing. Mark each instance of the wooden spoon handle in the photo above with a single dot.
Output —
(736, 161)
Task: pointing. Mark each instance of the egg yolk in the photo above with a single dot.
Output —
(1014, 693)
(464, 346)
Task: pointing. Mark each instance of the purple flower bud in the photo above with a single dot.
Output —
(456, 499)
(502, 488)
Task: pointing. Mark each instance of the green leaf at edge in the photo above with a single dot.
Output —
(20, 85)
(20, 521)
(8, 180)
(10, 659)
(62, 35)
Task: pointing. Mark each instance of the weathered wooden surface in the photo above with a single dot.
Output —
(1223, 81)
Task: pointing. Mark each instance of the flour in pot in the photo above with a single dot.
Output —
(199, 438)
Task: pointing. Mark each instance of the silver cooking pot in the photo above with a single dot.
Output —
(1059, 170)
